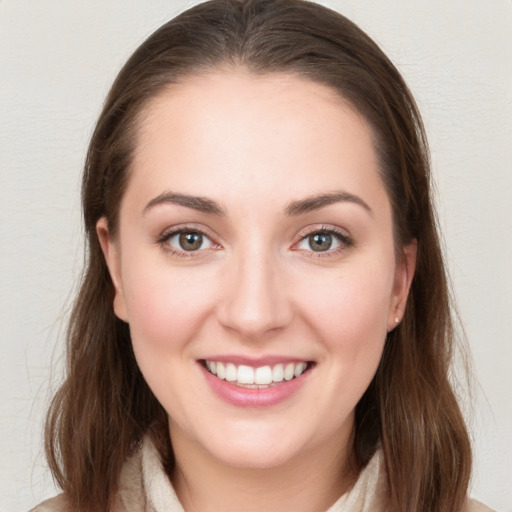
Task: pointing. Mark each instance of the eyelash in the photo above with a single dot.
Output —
(344, 241)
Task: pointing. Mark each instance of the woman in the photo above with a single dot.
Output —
(264, 321)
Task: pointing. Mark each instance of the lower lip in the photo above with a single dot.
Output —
(252, 397)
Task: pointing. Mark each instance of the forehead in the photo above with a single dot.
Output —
(235, 132)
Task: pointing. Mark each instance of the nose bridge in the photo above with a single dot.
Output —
(255, 301)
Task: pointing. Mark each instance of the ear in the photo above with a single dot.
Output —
(111, 253)
(404, 272)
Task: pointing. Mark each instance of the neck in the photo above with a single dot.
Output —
(310, 482)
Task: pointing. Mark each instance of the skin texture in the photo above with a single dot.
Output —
(255, 288)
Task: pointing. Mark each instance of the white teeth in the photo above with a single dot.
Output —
(221, 371)
(263, 375)
(299, 369)
(289, 371)
(231, 372)
(245, 374)
(278, 373)
(260, 377)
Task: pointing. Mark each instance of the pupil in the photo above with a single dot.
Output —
(320, 241)
(191, 241)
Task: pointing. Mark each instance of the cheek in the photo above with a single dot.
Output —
(351, 300)
(349, 319)
(165, 311)
(349, 314)
(165, 306)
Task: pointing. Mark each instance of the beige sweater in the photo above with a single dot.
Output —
(144, 487)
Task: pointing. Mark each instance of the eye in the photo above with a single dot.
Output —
(188, 241)
(324, 241)
(319, 242)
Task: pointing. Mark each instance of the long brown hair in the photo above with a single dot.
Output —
(105, 407)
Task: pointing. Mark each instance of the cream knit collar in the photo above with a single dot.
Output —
(144, 486)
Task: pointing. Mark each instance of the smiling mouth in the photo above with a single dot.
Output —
(256, 378)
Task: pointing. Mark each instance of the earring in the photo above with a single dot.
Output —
(396, 320)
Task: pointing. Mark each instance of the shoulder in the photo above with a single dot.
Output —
(58, 504)
(476, 506)
(129, 495)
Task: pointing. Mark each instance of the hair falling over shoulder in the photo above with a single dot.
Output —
(104, 407)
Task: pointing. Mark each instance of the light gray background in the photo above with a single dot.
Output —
(57, 60)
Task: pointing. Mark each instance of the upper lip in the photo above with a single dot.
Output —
(255, 362)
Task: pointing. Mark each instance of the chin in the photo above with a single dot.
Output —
(254, 446)
(255, 456)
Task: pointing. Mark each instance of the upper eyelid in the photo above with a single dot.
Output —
(181, 228)
(323, 228)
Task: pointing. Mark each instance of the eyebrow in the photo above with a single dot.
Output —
(299, 207)
(310, 204)
(201, 204)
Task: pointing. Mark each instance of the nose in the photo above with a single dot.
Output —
(255, 299)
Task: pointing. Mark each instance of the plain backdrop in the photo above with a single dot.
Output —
(57, 61)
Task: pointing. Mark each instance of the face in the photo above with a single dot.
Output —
(255, 265)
